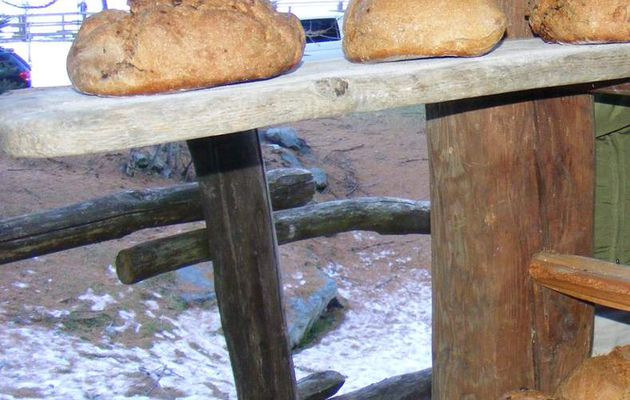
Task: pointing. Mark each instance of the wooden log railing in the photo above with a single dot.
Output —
(117, 215)
(384, 215)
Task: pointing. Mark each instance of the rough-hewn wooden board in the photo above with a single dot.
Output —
(585, 278)
(59, 121)
(377, 214)
(246, 277)
(484, 221)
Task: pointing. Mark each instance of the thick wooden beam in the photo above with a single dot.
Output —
(585, 278)
(511, 175)
(384, 215)
(236, 204)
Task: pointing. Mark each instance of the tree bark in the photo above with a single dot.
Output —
(380, 214)
(412, 386)
(320, 385)
(236, 204)
(112, 217)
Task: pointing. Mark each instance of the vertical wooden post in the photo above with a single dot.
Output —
(511, 175)
(236, 204)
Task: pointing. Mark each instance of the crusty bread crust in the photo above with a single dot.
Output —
(169, 45)
(384, 30)
(599, 378)
(581, 21)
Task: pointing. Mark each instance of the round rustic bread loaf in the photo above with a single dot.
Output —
(579, 21)
(599, 378)
(168, 45)
(386, 30)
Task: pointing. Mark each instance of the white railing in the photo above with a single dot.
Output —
(62, 27)
(58, 27)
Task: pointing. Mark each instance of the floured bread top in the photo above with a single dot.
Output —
(168, 45)
(580, 21)
(381, 30)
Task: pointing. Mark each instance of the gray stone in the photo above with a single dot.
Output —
(305, 300)
(320, 177)
(286, 137)
(195, 283)
(303, 309)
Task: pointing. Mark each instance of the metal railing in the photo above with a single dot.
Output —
(53, 27)
(63, 27)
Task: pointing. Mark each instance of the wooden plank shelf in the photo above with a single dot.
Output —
(59, 121)
(584, 278)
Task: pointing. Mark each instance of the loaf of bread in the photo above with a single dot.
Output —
(599, 378)
(387, 30)
(169, 45)
(581, 21)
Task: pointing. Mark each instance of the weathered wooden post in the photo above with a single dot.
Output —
(511, 175)
(236, 204)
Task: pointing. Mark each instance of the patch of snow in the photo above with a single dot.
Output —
(100, 302)
(388, 336)
(152, 305)
(129, 321)
(21, 285)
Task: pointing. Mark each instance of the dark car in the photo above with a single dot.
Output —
(15, 73)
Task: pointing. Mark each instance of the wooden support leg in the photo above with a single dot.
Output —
(511, 175)
(236, 204)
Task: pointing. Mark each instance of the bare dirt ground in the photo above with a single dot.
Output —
(76, 293)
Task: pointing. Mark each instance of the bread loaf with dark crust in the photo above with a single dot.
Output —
(169, 45)
(581, 21)
(387, 30)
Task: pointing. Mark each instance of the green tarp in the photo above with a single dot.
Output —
(612, 182)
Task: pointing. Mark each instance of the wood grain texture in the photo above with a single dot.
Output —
(565, 168)
(511, 174)
(60, 121)
(585, 278)
(379, 214)
(114, 216)
(484, 228)
(247, 283)
(411, 386)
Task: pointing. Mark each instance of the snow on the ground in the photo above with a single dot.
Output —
(388, 335)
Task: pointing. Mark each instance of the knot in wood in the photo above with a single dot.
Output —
(333, 86)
